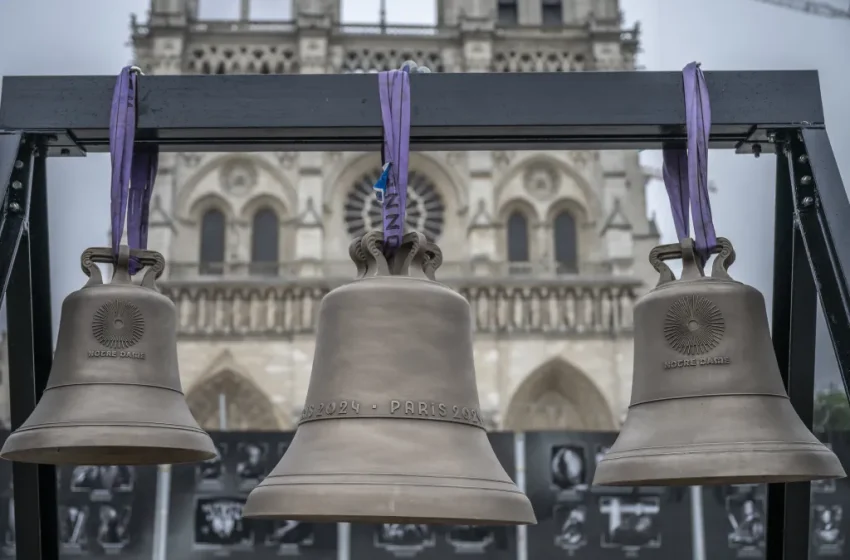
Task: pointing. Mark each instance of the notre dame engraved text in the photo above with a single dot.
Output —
(116, 354)
(696, 362)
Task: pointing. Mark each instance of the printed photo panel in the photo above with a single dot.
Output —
(829, 526)
(205, 514)
(735, 521)
(106, 511)
(423, 542)
(575, 519)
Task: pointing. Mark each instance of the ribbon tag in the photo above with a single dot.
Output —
(394, 90)
(685, 170)
(380, 186)
(133, 169)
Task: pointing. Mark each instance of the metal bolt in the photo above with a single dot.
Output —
(806, 180)
(18, 164)
(803, 158)
(14, 207)
(16, 185)
(807, 201)
(757, 150)
(771, 137)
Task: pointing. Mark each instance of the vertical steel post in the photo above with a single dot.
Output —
(824, 213)
(519, 462)
(30, 359)
(163, 502)
(794, 332)
(697, 524)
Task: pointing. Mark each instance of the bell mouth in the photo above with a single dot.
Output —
(378, 470)
(720, 464)
(381, 499)
(108, 445)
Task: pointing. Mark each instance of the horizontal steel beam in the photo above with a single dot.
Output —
(580, 110)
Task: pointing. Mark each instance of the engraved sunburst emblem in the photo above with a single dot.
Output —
(118, 324)
(693, 326)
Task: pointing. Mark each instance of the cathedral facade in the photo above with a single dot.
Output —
(549, 248)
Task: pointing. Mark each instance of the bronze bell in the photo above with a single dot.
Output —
(708, 403)
(114, 394)
(391, 430)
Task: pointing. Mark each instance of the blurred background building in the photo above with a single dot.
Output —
(549, 247)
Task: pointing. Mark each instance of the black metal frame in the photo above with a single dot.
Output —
(752, 112)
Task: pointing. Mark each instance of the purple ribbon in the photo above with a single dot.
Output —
(133, 169)
(394, 89)
(690, 166)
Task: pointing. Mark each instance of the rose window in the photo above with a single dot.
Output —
(425, 207)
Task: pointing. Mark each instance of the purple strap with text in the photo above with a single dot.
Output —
(133, 169)
(686, 170)
(394, 89)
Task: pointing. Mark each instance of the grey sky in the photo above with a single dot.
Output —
(91, 37)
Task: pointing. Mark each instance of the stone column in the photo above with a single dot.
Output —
(617, 227)
(483, 246)
(308, 230)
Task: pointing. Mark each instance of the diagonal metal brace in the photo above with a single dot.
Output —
(17, 153)
(821, 208)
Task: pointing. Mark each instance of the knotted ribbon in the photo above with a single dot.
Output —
(394, 89)
(685, 170)
(133, 169)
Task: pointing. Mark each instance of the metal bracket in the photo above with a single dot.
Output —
(17, 152)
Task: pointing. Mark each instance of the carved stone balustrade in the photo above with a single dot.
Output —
(280, 307)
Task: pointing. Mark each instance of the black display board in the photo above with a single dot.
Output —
(734, 517)
(104, 512)
(734, 521)
(576, 520)
(830, 526)
(424, 542)
(205, 514)
(107, 511)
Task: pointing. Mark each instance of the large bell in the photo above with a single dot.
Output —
(114, 395)
(708, 403)
(391, 430)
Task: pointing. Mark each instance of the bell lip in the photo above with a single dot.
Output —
(344, 503)
(720, 467)
(89, 445)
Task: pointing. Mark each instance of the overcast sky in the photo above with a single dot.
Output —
(91, 37)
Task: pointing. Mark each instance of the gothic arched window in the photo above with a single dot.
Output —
(518, 249)
(566, 242)
(425, 207)
(212, 242)
(265, 242)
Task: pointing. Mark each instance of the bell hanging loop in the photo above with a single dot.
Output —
(391, 430)
(708, 404)
(114, 395)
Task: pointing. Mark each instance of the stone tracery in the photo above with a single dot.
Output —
(425, 206)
